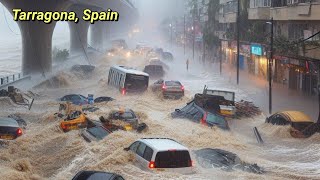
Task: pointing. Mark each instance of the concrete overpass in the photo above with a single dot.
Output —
(37, 36)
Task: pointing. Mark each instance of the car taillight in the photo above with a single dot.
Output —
(152, 165)
(191, 163)
(164, 87)
(19, 132)
(182, 88)
(123, 91)
(64, 127)
(203, 120)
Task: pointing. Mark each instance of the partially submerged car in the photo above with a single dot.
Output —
(157, 61)
(228, 161)
(95, 131)
(83, 68)
(154, 71)
(205, 113)
(103, 99)
(167, 56)
(72, 117)
(301, 124)
(76, 99)
(9, 129)
(96, 175)
(119, 44)
(123, 119)
(161, 154)
(169, 89)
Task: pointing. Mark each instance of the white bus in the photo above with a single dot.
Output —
(128, 80)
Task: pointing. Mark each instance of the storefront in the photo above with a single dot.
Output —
(258, 61)
(281, 71)
(244, 56)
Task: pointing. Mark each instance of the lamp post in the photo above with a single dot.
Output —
(184, 34)
(270, 64)
(238, 41)
(193, 39)
(170, 34)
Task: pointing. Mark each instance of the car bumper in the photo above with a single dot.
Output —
(173, 94)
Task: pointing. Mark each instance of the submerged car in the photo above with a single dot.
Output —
(95, 132)
(75, 99)
(157, 61)
(123, 119)
(167, 56)
(161, 154)
(201, 114)
(301, 124)
(154, 71)
(228, 161)
(103, 99)
(72, 117)
(96, 175)
(9, 129)
(169, 89)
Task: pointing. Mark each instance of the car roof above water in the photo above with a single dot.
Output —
(163, 144)
(8, 122)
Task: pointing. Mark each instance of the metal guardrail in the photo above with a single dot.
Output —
(9, 79)
(6, 80)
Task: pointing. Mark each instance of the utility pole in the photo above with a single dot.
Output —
(318, 89)
(238, 41)
(171, 34)
(184, 34)
(270, 68)
(193, 37)
(220, 52)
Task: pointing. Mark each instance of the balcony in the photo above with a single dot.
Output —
(259, 13)
(302, 11)
(228, 17)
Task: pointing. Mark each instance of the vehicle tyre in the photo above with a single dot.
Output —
(141, 127)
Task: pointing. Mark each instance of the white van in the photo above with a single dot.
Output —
(162, 154)
(128, 80)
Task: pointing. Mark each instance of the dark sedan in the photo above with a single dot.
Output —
(96, 175)
(75, 99)
(9, 129)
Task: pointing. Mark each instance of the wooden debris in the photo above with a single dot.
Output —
(245, 109)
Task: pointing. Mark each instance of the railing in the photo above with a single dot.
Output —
(10, 79)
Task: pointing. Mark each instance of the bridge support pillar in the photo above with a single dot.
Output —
(97, 35)
(36, 36)
(79, 36)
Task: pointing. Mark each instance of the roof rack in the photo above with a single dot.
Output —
(162, 138)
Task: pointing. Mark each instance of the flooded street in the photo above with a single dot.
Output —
(45, 152)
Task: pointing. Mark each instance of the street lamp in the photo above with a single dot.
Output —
(193, 40)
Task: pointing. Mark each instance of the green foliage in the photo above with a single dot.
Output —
(60, 55)
(283, 46)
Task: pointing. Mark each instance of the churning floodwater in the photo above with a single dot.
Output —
(45, 152)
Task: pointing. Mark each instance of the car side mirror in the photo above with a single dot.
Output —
(177, 110)
(126, 149)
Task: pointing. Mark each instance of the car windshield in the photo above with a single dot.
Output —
(127, 115)
(98, 132)
(173, 83)
(173, 159)
(136, 82)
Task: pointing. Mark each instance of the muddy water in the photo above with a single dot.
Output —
(45, 152)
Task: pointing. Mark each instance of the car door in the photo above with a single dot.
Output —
(140, 152)
(76, 99)
(133, 148)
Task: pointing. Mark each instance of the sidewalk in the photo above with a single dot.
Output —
(283, 97)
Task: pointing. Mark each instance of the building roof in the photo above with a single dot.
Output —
(163, 144)
(297, 116)
(8, 122)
